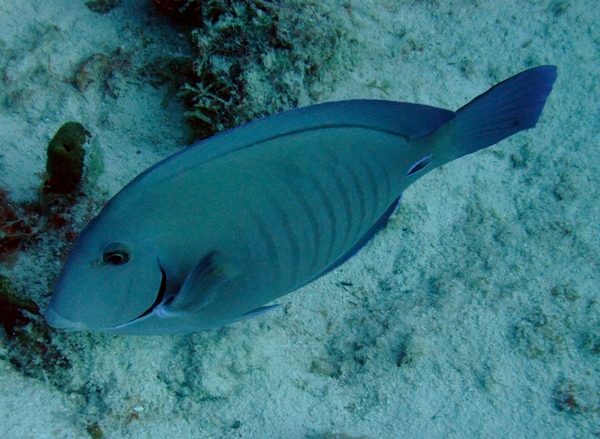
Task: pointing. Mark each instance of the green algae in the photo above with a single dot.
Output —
(255, 57)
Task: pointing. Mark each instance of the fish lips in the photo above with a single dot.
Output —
(57, 321)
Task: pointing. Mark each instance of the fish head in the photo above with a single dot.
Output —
(111, 277)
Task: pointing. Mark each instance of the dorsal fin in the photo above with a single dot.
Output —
(399, 118)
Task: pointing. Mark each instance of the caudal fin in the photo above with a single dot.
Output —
(511, 106)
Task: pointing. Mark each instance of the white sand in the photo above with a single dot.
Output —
(486, 284)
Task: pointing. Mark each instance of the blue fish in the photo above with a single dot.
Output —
(210, 235)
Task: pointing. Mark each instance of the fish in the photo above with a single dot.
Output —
(213, 234)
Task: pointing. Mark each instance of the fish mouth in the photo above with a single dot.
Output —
(59, 322)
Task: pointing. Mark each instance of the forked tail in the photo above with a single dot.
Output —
(509, 107)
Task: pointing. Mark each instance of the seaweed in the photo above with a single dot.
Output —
(254, 58)
(230, 42)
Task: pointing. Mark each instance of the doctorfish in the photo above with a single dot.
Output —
(213, 233)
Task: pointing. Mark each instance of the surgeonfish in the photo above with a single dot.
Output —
(210, 235)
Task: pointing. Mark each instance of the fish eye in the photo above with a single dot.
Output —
(115, 253)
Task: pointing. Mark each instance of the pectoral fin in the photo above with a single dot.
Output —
(203, 283)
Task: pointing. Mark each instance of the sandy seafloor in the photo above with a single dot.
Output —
(475, 313)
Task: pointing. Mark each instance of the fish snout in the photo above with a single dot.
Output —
(59, 322)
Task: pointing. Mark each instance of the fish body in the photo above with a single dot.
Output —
(210, 235)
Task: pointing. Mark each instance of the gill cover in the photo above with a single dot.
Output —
(104, 283)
